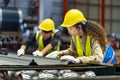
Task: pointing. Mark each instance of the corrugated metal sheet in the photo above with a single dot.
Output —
(13, 59)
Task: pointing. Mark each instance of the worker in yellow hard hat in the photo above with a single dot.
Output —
(88, 39)
(45, 39)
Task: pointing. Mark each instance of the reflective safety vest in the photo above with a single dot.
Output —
(40, 43)
(79, 48)
(109, 55)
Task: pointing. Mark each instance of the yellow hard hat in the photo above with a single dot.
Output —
(72, 17)
(47, 25)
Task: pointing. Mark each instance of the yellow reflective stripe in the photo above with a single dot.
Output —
(79, 46)
(41, 45)
(39, 40)
(88, 47)
(36, 35)
(54, 32)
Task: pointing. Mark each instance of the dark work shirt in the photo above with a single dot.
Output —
(32, 39)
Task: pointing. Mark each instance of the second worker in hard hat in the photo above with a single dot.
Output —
(88, 39)
(45, 39)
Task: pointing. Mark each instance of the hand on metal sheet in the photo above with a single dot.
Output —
(20, 52)
(37, 53)
(60, 54)
(70, 58)
(53, 54)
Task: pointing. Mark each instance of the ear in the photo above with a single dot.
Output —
(79, 27)
(52, 32)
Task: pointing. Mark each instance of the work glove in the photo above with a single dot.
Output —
(20, 52)
(53, 54)
(37, 53)
(70, 58)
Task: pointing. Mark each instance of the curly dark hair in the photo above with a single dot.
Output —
(95, 30)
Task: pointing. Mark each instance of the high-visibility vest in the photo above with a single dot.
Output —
(40, 43)
(79, 48)
(109, 55)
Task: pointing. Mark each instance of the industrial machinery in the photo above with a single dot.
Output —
(10, 21)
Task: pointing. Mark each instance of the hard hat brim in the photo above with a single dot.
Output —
(66, 25)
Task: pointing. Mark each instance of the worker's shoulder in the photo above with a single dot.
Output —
(56, 30)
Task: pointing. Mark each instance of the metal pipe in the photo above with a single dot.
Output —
(103, 13)
(65, 6)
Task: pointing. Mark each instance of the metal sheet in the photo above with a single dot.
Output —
(13, 59)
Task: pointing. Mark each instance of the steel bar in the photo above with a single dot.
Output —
(49, 67)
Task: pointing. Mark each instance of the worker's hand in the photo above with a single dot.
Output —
(60, 54)
(20, 52)
(37, 53)
(70, 58)
(53, 54)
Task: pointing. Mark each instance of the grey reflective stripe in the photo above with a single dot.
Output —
(111, 58)
(0, 18)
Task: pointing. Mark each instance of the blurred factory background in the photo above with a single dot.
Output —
(20, 18)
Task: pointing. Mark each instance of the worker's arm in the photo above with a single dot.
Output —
(46, 49)
(29, 41)
(69, 51)
(97, 53)
(51, 44)
(23, 47)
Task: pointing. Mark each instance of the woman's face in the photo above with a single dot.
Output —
(73, 31)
